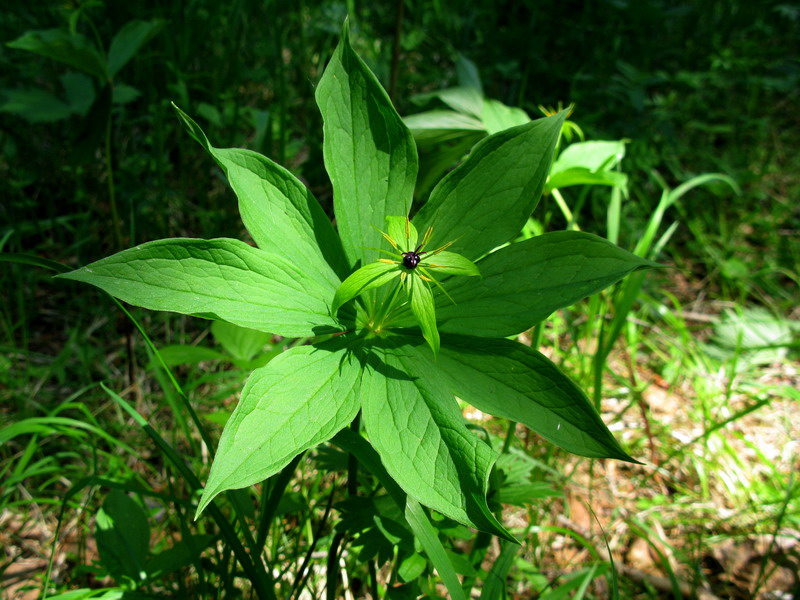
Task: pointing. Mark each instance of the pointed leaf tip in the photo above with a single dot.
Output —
(301, 398)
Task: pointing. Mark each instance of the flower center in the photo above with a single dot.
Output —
(410, 260)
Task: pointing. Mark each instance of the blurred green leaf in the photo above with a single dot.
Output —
(496, 116)
(242, 343)
(465, 100)
(182, 554)
(129, 41)
(412, 567)
(72, 49)
(34, 105)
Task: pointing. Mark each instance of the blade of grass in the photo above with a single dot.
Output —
(494, 587)
(258, 575)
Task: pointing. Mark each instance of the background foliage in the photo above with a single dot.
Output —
(701, 383)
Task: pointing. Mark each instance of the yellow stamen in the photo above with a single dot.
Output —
(386, 260)
(442, 248)
(390, 240)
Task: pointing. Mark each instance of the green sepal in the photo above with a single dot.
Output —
(366, 278)
(403, 232)
(424, 310)
(451, 263)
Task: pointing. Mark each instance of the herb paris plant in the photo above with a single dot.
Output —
(377, 362)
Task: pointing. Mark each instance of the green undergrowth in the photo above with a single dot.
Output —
(693, 369)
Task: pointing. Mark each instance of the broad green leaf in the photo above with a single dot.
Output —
(403, 232)
(183, 354)
(63, 46)
(240, 342)
(582, 176)
(279, 212)
(300, 399)
(219, 279)
(128, 41)
(439, 126)
(451, 263)
(366, 278)
(525, 282)
(465, 100)
(33, 105)
(496, 116)
(596, 155)
(467, 73)
(123, 94)
(369, 153)
(486, 200)
(412, 567)
(414, 424)
(422, 306)
(79, 90)
(589, 163)
(123, 536)
(510, 380)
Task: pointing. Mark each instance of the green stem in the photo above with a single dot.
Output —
(373, 579)
(352, 461)
(512, 427)
(562, 204)
(398, 31)
(112, 195)
(332, 569)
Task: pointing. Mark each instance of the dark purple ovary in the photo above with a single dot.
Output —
(410, 260)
